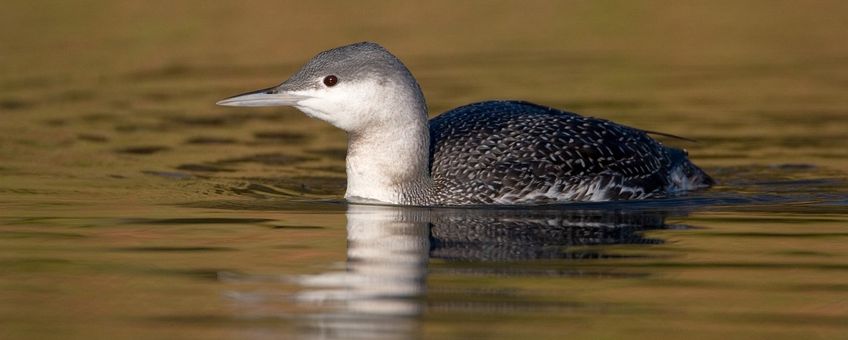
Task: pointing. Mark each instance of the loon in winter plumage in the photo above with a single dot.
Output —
(492, 152)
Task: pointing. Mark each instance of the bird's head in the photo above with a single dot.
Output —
(352, 87)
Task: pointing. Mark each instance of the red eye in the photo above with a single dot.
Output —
(331, 80)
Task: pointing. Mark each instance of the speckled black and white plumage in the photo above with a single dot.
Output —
(508, 152)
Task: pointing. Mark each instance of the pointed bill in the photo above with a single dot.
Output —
(271, 96)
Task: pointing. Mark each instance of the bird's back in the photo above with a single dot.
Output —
(518, 152)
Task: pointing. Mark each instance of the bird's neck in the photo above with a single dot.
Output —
(389, 163)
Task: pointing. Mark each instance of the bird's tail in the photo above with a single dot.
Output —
(685, 175)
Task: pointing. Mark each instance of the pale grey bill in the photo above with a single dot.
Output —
(264, 97)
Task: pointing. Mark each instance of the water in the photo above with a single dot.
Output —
(131, 207)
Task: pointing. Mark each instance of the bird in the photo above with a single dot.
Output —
(496, 152)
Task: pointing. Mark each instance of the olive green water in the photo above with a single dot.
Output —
(132, 207)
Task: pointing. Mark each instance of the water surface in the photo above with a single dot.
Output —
(130, 206)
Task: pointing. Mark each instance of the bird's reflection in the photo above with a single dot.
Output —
(380, 292)
(377, 294)
(534, 234)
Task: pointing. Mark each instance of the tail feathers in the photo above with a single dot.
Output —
(685, 175)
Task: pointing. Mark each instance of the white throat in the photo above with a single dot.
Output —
(388, 136)
(388, 162)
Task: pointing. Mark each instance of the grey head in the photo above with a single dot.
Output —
(352, 87)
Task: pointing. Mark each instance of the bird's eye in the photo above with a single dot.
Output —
(331, 80)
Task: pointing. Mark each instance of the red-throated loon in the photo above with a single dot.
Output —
(493, 152)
